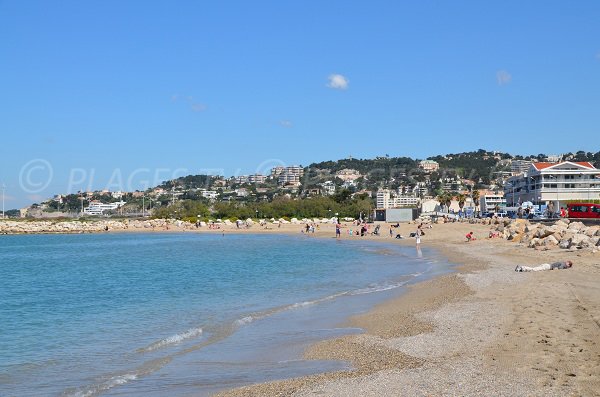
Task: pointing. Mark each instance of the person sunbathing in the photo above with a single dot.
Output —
(545, 266)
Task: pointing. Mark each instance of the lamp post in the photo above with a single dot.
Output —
(143, 206)
(256, 214)
(3, 189)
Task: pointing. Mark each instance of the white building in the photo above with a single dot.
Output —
(554, 182)
(491, 202)
(242, 192)
(348, 174)
(257, 178)
(406, 201)
(209, 194)
(288, 175)
(385, 200)
(519, 166)
(98, 208)
(241, 179)
(328, 188)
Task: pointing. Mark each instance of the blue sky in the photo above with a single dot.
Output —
(129, 93)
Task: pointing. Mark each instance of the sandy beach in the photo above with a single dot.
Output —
(484, 330)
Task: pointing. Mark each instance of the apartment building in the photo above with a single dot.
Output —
(554, 182)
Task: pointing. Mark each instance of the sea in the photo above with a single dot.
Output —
(184, 314)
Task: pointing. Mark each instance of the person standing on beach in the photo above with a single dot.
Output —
(338, 230)
(418, 236)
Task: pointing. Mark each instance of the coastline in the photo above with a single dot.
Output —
(483, 328)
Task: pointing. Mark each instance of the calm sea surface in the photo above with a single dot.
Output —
(182, 314)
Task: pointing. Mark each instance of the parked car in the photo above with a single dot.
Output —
(584, 210)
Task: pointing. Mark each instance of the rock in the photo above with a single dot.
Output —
(531, 228)
(578, 240)
(592, 231)
(576, 226)
(562, 222)
(564, 243)
(543, 232)
(550, 241)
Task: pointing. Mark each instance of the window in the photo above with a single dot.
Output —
(595, 209)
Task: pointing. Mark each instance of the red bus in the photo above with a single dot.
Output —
(584, 210)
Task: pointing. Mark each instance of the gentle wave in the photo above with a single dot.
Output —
(118, 380)
(361, 291)
(173, 340)
(102, 387)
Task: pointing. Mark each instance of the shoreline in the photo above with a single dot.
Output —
(483, 327)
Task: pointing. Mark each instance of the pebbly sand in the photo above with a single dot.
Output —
(484, 330)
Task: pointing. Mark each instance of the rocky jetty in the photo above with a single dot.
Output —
(34, 227)
(561, 234)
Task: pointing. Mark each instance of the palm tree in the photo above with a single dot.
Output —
(475, 197)
(442, 198)
(445, 199)
(461, 198)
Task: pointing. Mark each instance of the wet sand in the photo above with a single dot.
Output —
(484, 330)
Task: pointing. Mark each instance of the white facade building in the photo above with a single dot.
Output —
(519, 166)
(348, 175)
(209, 194)
(328, 188)
(554, 182)
(257, 178)
(98, 208)
(385, 200)
(288, 175)
(491, 202)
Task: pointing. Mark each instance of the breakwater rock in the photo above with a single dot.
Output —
(91, 226)
(560, 234)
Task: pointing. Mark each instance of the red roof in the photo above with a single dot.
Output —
(541, 166)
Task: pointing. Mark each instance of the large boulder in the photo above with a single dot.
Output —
(550, 241)
(592, 231)
(531, 227)
(576, 226)
(543, 232)
(578, 240)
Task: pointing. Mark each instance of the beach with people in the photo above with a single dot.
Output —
(483, 327)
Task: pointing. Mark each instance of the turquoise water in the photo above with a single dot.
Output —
(181, 314)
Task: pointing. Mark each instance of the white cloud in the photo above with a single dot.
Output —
(198, 107)
(338, 82)
(286, 123)
(195, 106)
(503, 77)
